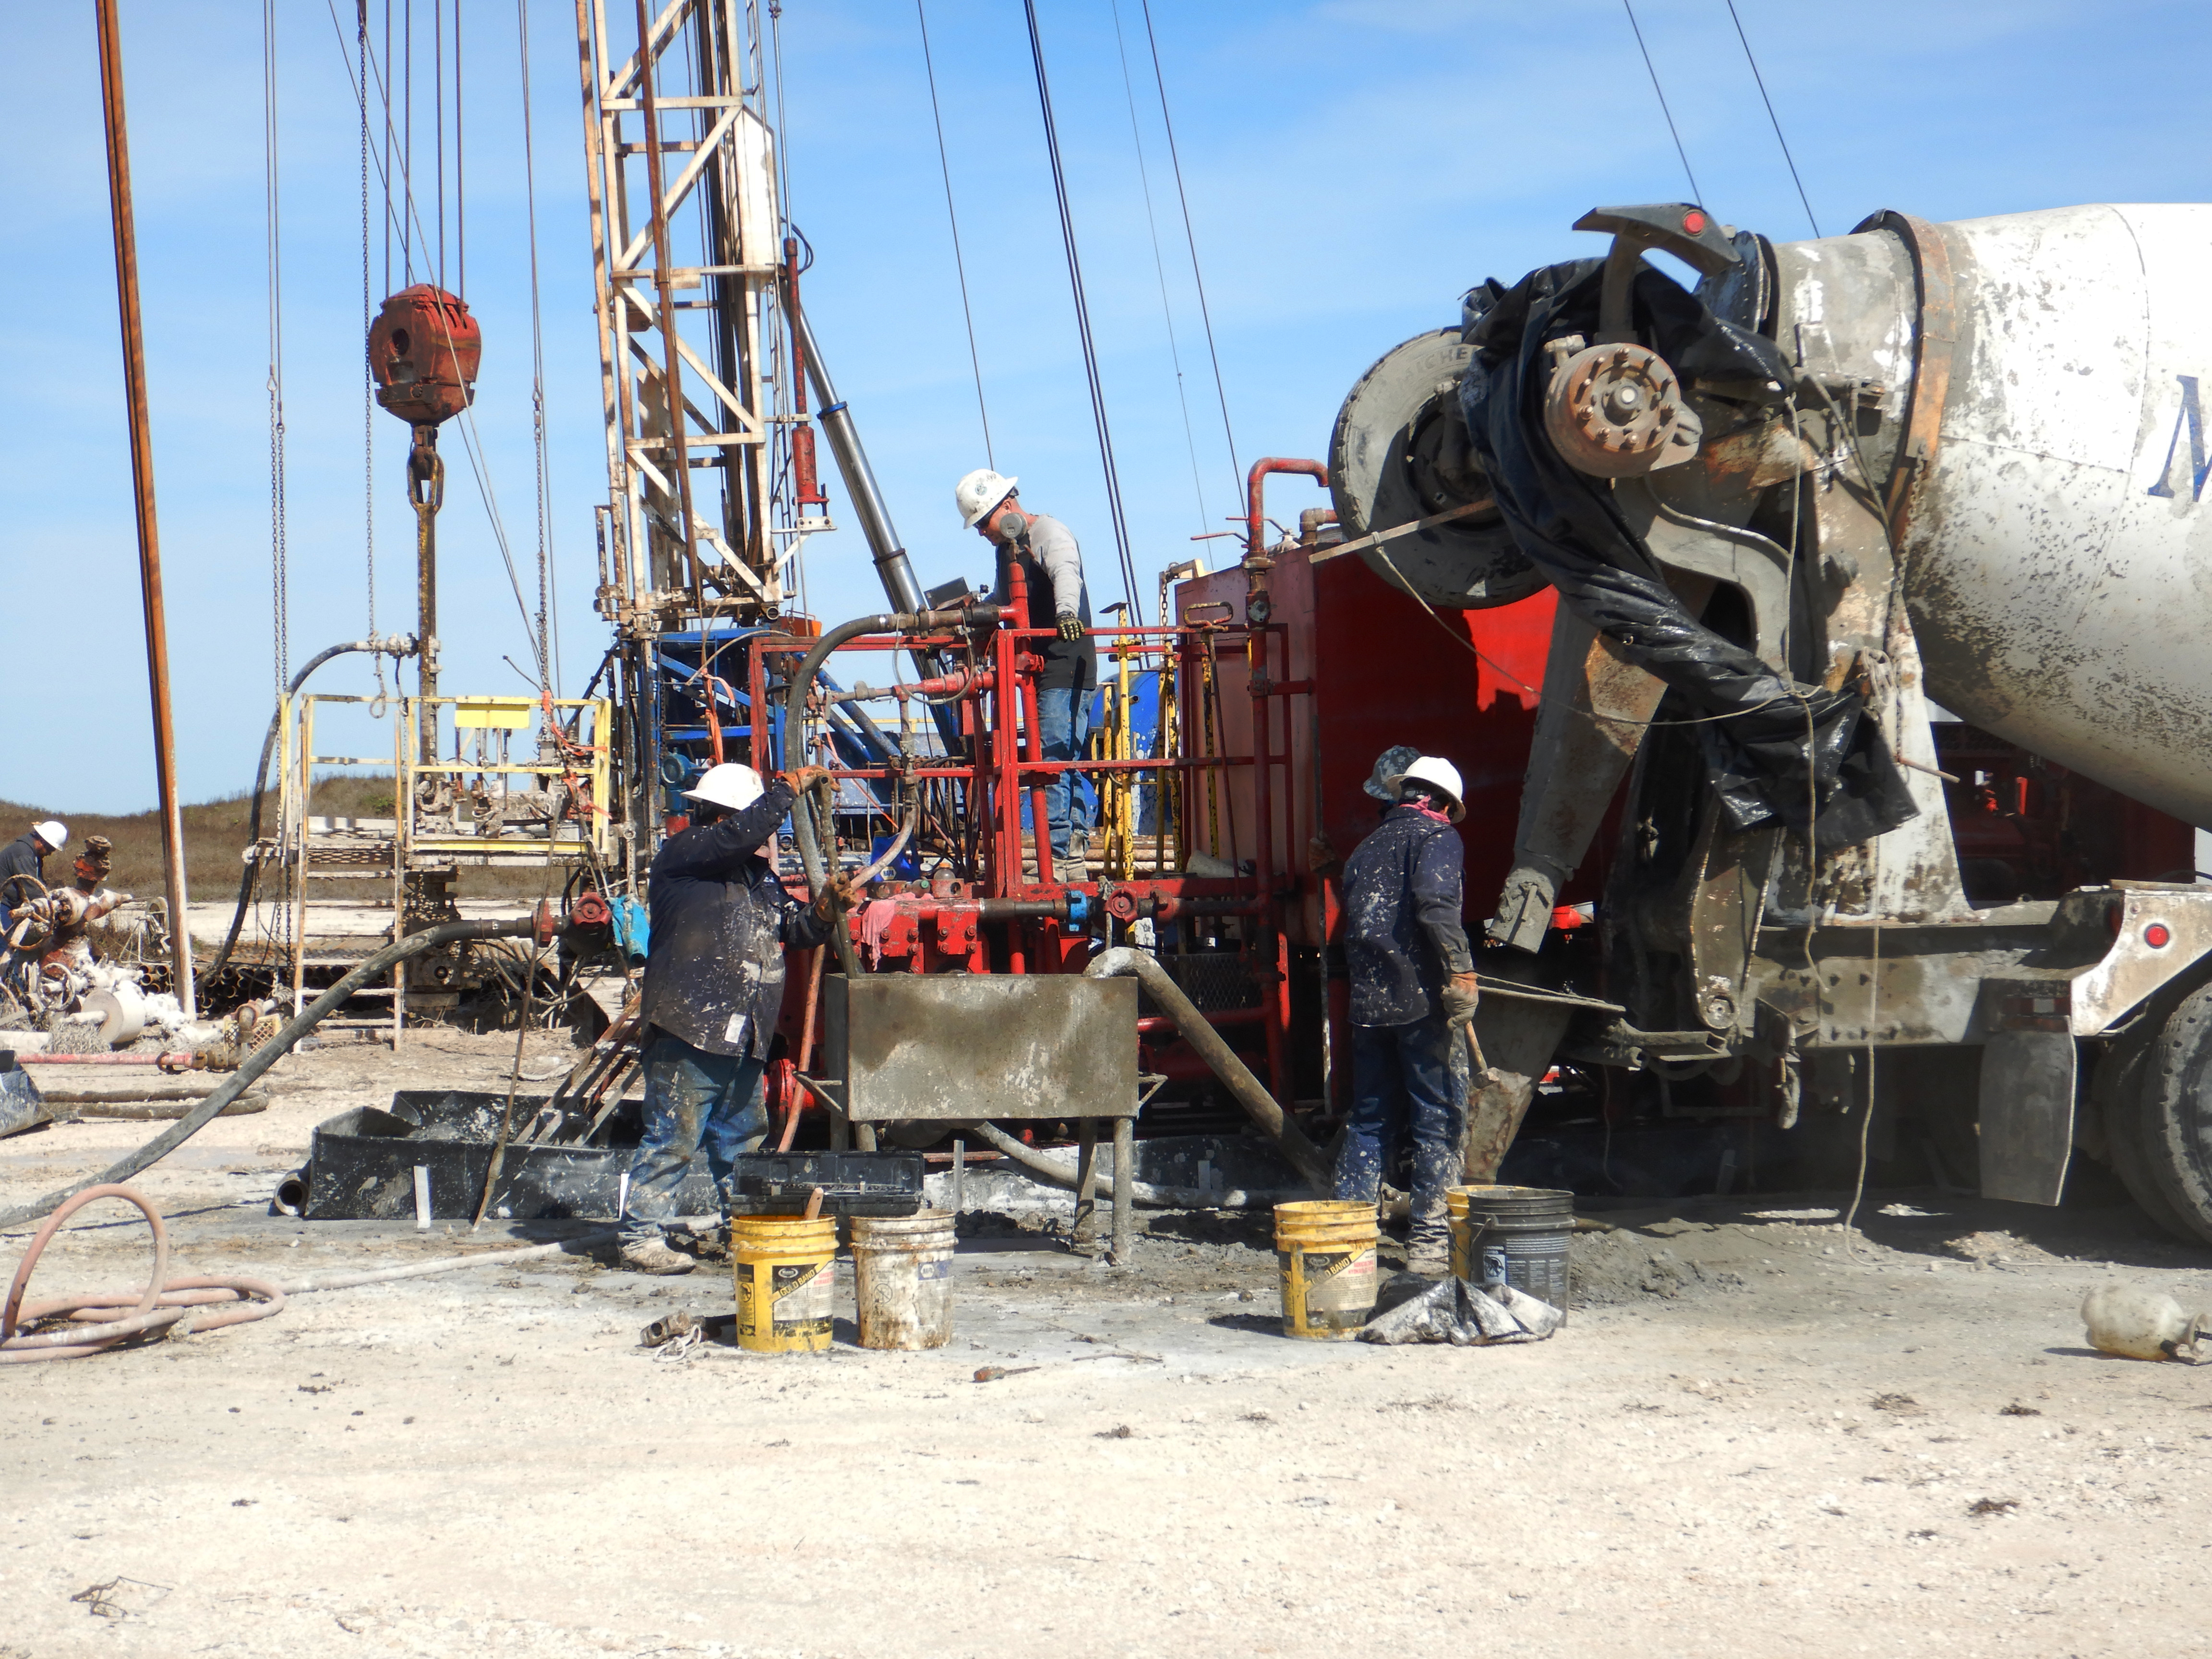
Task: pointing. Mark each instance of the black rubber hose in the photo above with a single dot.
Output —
(1249, 1093)
(260, 780)
(267, 1055)
(794, 727)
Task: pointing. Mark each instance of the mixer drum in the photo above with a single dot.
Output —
(2059, 560)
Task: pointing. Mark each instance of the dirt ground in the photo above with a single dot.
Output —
(1756, 1434)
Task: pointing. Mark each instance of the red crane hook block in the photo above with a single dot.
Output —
(424, 349)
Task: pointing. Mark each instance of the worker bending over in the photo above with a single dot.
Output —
(1412, 987)
(25, 855)
(713, 988)
(1052, 566)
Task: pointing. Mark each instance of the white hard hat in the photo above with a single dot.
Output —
(728, 785)
(978, 493)
(1431, 769)
(53, 832)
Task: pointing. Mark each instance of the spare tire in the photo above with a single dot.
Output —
(1401, 452)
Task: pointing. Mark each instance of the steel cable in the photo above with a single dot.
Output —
(1775, 119)
(1190, 238)
(536, 364)
(959, 265)
(280, 617)
(1159, 266)
(1696, 195)
(1082, 313)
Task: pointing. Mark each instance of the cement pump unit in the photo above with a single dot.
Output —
(1877, 693)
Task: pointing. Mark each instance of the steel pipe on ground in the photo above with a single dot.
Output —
(1144, 1192)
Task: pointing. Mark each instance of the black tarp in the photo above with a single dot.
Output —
(1781, 751)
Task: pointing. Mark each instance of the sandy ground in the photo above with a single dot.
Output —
(1756, 1435)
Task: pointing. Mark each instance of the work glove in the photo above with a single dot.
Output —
(1320, 854)
(804, 778)
(1462, 995)
(835, 898)
(1071, 628)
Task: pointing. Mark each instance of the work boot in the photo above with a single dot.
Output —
(706, 1247)
(653, 1257)
(1428, 1253)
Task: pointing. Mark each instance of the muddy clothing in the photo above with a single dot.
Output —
(1052, 565)
(694, 1103)
(20, 857)
(720, 918)
(1402, 934)
(1403, 1089)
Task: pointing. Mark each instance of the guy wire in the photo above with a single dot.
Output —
(1696, 195)
(959, 264)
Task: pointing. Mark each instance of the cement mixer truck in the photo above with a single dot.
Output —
(1879, 702)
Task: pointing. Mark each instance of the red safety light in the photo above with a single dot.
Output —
(1694, 222)
(2158, 936)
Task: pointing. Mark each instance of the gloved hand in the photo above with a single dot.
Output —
(804, 778)
(1461, 996)
(835, 897)
(1320, 854)
(1071, 628)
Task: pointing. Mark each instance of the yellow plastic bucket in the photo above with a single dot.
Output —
(787, 1278)
(1326, 1250)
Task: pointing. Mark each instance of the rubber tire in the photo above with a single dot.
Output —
(1469, 565)
(2172, 1121)
(2117, 1092)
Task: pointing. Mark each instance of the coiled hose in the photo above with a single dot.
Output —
(267, 1055)
(107, 1317)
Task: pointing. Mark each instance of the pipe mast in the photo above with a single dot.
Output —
(141, 482)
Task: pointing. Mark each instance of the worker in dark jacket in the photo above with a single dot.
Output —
(714, 988)
(1052, 571)
(25, 855)
(1412, 987)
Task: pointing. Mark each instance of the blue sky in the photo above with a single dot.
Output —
(1352, 167)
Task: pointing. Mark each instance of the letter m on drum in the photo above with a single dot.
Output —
(2191, 417)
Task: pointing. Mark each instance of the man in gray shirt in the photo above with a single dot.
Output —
(1052, 566)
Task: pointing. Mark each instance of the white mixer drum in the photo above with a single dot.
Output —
(2060, 556)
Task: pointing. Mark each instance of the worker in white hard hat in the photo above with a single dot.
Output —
(1413, 988)
(1052, 565)
(714, 988)
(25, 855)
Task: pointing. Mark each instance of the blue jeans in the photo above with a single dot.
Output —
(1063, 729)
(1402, 1086)
(694, 1101)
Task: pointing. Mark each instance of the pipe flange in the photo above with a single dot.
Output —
(1616, 412)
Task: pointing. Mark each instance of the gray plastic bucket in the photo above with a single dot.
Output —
(1514, 1235)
